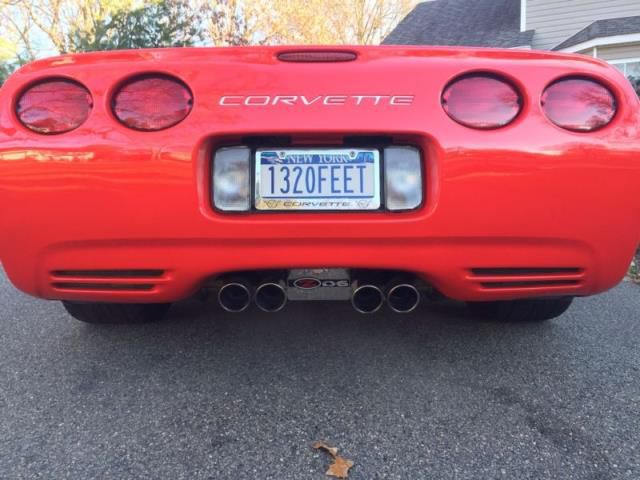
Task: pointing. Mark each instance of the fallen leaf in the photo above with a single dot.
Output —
(340, 466)
(333, 451)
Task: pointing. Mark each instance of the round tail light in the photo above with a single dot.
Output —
(578, 104)
(54, 106)
(481, 101)
(152, 102)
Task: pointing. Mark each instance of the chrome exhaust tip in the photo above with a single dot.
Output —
(271, 297)
(367, 299)
(403, 298)
(234, 297)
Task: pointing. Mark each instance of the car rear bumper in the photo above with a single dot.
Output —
(493, 226)
(479, 268)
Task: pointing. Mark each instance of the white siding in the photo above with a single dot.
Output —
(619, 52)
(556, 20)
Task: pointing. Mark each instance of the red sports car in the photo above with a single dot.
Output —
(508, 179)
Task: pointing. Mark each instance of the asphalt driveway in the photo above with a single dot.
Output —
(433, 394)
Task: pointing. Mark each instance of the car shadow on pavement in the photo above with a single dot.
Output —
(325, 343)
(322, 333)
(326, 328)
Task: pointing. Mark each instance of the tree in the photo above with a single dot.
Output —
(71, 26)
(5, 71)
(233, 22)
(5, 55)
(29, 28)
(370, 20)
(59, 21)
(163, 23)
(15, 46)
(357, 22)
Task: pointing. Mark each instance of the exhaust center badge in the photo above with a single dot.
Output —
(307, 283)
(319, 284)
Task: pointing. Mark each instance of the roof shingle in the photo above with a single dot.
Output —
(603, 28)
(487, 23)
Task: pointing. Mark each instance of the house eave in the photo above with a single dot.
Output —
(602, 41)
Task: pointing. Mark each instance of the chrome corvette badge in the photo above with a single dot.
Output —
(307, 101)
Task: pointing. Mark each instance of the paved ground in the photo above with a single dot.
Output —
(213, 395)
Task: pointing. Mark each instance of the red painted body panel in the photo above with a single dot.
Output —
(529, 195)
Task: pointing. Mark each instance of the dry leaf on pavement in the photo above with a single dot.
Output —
(340, 466)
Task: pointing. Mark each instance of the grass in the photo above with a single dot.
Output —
(634, 269)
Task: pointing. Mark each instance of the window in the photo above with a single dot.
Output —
(631, 69)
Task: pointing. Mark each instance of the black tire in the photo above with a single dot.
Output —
(526, 310)
(116, 313)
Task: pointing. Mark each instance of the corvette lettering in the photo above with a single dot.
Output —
(306, 101)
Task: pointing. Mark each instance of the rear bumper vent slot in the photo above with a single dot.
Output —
(529, 284)
(105, 287)
(129, 280)
(525, 271)
(108, 273)
(522, 278)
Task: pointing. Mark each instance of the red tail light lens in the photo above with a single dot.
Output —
(152, 102)
(579, 104)
(481, 101)
(54, 106)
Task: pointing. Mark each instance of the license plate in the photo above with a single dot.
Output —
(317, 179)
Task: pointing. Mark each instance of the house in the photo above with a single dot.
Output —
(607, 29)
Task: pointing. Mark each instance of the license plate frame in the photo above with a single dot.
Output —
(308, 158)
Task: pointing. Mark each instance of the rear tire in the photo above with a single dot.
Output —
(116, 313)
(526, 310)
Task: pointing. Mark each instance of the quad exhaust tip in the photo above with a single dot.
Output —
(234, 297)
(403, 298)
(271, 297)
(367, 299)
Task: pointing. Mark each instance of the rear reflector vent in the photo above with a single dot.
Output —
(141, 280)
(317, 56)
(109, 273)
(526, 277)
(525, 271)
(529, 284)
(105, 287)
